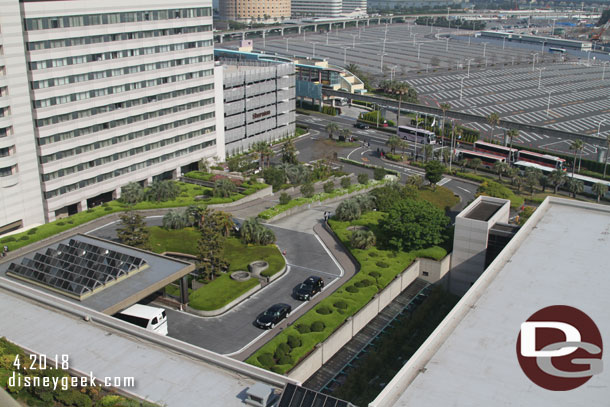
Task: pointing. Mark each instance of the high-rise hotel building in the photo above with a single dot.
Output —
(98, 93)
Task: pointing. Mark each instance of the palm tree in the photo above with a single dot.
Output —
(500, 168)
(599, 189)
(132, 193)
(544, 182)
(493, 120)
(428, 149)
(575, 186)
(577, 145)
(163, 191)
(174, 219)
(348, 210)
(475, 164)
(268, 153)
(353, 68)
(223, 222)
(289, 152)
(513, 134)
(444, 107)
(557, 178)
(363, 239)
(260, 147)
(346, 134)
(331, 128)
(512, 173)
(531, 178)
(415, 180)
(393, 142)
(518, 180)
(224, 188)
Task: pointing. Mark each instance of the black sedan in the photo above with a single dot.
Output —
(360, 125)
(309, 288)
(274, 315)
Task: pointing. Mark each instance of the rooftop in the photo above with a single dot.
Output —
(123, 292)
(558, 257)
(484, 210)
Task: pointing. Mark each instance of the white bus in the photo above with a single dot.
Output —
(420, 136)
(150, 318)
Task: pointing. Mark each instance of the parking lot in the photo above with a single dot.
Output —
(504, 77)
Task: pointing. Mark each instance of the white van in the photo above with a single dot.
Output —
(150, 318)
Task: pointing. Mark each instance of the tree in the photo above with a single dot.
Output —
(599, 190)
(260, 148)
(412, 225)
(493, 120)
(224, 188)
(253, 232)
(175, 219)
(221, 221)
(434, 172)
(345, 134)
(363, 178)
(531, 178)
(575, 186)
(132, 193)
(307, 190)
(289, 153)
(500, 168)
(576, 145)
(284, 198)
(428, 149)
(514, 135)
(348, 210)
(210, 253)
(475, 163)
(363, 239)
(544, 182)
(518, 181)
(378, 173)
(557, 178)
(346, 182)
(415, 181)
(393, 142)
(385, 196)
(329, 186)
(275, 177)
(132, 230)
(163, 191)
(332, 128)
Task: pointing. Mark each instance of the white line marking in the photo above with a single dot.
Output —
(465, 190)
(444, 181)
(102, 227)
(331, 255)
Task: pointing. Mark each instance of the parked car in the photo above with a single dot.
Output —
(274, 315)
(236, 224)
(308, 288)
(360, 125)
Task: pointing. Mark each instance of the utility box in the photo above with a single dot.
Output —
(260, 395)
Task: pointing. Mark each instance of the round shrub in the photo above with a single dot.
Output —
(294, 341)
(60, 224)
(364, 283)
(375, 274)
(351, 289)
(279, 353)
(107, 208)
(277, 369)
(382, 264)
(303, 329)
(284, 347)
(317, 326)
(23, 238)
(323, 310)
(284, 198)
(392, 255)
(340, 304)
(8, 239)
(285, 360)
(266, 359)
(70, 222)
(90, 210)
(373, 254)
(32, 231)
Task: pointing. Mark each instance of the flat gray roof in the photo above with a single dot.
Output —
(160, 272)
(161, 375)
(483, 211)
(559, 257)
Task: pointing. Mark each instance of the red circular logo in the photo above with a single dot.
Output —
(559, 348)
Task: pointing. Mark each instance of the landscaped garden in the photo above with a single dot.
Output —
(384, 242)
(15, 361)
(161, 194)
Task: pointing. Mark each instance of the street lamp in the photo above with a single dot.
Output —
(548, 105)
(462, 87)
(447, 46)
(484, 48)
(418, 48)
(354, 40)
(469, 60)
(345, 55)
(599, 126)
(540, 76)
(588, 56)
(542, 50)
(327, 38)
(392, 70)
(381, 61)
(313, 53)
(286, 45)
(604, 70)
(503, 42)
(534, 61)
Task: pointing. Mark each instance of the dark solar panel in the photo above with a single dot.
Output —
(296, 396)
(76, 269)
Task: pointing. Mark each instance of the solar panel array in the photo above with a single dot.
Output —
(76, 269)
(296, 396)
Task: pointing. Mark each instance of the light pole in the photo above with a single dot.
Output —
(534, 61)
(383, 46)
(286, 45)
(313, 53)
(588, 56)
(604, 70)
(553, 29)
(345, 55)
(484, 48)
(327, 38)
(548, 105)
(542, 50)
(540, 76)
(447, 46)
(468, 73)
(392, 70)
(381, 61)
(418, 48)
(354, 40)
(599, 126)
(462, 87)
(503, 42)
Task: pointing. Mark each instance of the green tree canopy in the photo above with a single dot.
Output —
(434, 172)
(411, 225)
(132, 230)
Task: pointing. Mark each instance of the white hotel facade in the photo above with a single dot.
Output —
(95, 94)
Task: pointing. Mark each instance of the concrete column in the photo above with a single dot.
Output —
(184, 290)
(243, 36)
(299, 29)
(82, 205)
(51, 216)
(116, 194)
(221, 38)
(177, 173)
(344, 25)
(282, 31)
(315, 27)
(148, 181)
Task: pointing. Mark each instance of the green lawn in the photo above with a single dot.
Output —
(378, 269)
(441, 197)
(223, 289)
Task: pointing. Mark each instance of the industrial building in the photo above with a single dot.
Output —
(548, 41)
(254, 10)
(317, 8)
(96, 94)
(391, 4)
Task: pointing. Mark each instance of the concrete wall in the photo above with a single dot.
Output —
(258, 194)
(436, 269)
(327, 349)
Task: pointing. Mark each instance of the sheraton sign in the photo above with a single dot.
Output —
(261, 114)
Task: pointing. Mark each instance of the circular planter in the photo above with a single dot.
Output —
(257, 267)
(240, 275)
